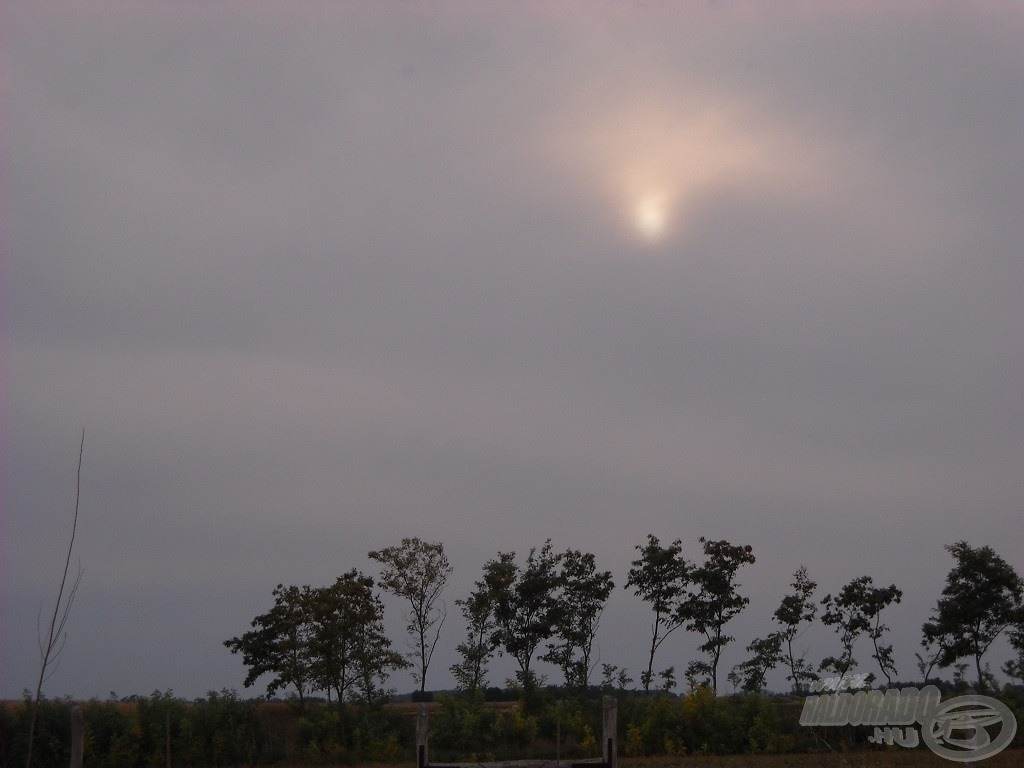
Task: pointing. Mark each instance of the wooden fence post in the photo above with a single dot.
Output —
(77, 737)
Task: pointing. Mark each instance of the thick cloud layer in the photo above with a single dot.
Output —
(314, 281)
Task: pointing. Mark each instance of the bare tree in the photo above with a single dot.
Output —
(52, 645)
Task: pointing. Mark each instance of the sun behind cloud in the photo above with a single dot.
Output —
(654, 161)
(651, 217)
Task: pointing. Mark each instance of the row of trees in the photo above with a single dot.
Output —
(548, 608)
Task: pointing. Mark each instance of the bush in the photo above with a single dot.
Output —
(52, 739)
(463, 726)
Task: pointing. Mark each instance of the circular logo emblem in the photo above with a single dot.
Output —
(958, 730)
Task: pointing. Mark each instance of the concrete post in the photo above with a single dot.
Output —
(77, 737)
(609, 730)
(422, 758)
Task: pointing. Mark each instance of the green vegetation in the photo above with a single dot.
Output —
(318, 643)
(216, 730)
(222, 730)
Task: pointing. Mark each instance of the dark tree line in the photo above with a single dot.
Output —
(702, 597)
(983, 599)
(555, 599)
(328, 639)
(548, 606)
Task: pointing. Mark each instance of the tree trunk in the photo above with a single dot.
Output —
(650, 663)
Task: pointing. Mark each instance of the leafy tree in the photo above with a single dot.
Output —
(478, 647)
(278, 644)
(659, 577)
(329, 646)
(877, 600)
(668, 678)
(1014, 668)
(855, 610)
(584, 591)
(614, 679)
(329, 638)
(983, 597)
(418, 572)
(346, 640)
(795, 610)
(713, 601)
(766, 654)
(525, 605)
(933, 651)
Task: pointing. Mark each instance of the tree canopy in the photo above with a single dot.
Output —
(417, 572)
(983, 597)
(328, 638)
(659, 577)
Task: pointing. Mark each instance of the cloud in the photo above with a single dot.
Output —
(314, 280)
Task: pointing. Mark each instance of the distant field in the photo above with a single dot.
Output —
(894, 757)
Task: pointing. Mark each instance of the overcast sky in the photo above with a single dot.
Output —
(317, 277)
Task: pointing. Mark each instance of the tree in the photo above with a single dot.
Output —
(796, 609)
(584, 591)
(478, 647)
(668, 679)
(855, 610)
(766, 653)
(659, 577)
(1014, 668)
(525, 605)
(347, 644)
(713, 602)
(328, 638)
(876, 601)
(278, 644)
(933, 651)
(983, 597)
(418, 572)
(52, 646)
(614, 679)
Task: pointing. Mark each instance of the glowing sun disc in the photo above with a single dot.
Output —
(651, 218)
